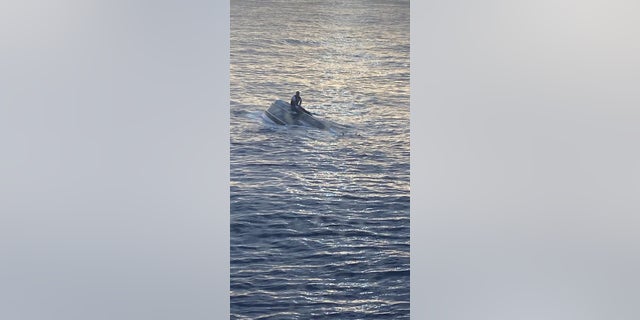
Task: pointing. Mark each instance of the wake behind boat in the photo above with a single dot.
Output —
(283, 113)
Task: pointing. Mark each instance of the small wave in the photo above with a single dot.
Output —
(299, 42)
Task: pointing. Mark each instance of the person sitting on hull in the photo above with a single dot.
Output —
(296, 103)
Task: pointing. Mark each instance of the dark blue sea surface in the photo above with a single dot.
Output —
(320, 218)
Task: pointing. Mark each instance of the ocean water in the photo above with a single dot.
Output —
(320, 218)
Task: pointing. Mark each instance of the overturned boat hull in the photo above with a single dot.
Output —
(282, 113)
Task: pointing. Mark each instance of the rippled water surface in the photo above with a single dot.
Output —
(320, 218)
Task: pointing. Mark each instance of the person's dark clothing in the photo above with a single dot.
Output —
(296, 100)
(296, 103)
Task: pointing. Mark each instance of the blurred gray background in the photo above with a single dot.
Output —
(114, 159)
(525, 164)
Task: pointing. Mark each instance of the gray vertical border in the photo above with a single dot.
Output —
(114, 160)
(419, 303)
(525, 164)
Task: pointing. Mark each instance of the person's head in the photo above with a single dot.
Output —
(297, 93)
